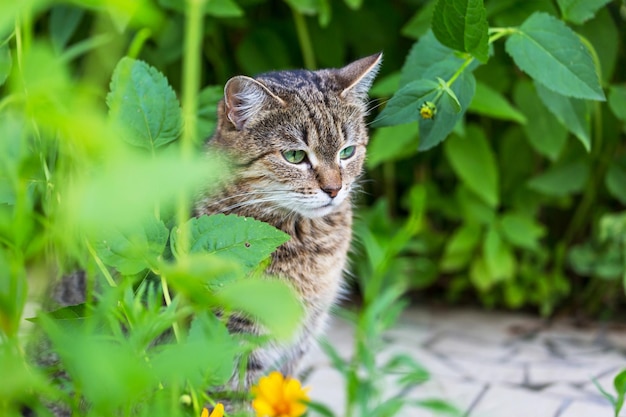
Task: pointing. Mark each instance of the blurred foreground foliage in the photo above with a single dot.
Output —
(521, 205)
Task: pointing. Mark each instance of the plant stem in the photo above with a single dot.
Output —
(191, 85)
(304, 39)
(459, 71)
(168, 302)
(138, 41)
(103, 268)
(497, 33)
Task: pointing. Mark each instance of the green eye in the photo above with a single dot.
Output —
(347, 152)
(295, 157)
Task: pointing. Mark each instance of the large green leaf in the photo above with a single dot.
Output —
(462, 25)
(272, 302)
(134, 249)
(460, 247)
(579, 11)
(561, 180)
(499, 259)
(489, 102)
(246, 240)
(544, 132)
(574, 114)
(419, 24)
(144, 105)
(551, 53)
(474, 162)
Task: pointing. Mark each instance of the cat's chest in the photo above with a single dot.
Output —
(315, 256)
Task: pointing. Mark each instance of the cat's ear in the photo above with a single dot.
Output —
(357, 78)
(244, 97)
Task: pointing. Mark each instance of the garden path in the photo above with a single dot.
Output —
(492, 364)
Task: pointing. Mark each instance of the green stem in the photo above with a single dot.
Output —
(191, 85)
(138, 41)
(497, 33)
(305, 40)
(460, 70)
(103, 268)
(168, 301)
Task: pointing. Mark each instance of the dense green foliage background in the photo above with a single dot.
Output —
(512, 196)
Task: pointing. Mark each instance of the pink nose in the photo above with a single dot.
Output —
(332, 190)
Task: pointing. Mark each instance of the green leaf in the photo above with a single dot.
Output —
(144, 104)
(246, 240)
(262, 49)
(462, 25)
(489, 102)
(134, 249)
(207, 111)
(64, 20)
(617, 101)
(272, 302)
(474, 163)
(217, 8)
(615, 181)
(391, 144)
(309, 7)
(6, 63)
(354, 4)
(521, 231)
(460, 247)
(544, 132)
(434, 131)
(562, 180)
(452, 100)
(579, 11)
(429, 53)
(499, 260)
(403, 107)
(552, 54)
(574, 114)
(604, 37)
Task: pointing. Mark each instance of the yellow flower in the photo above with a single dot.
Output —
(218, 411)
(276, 396)
(428, 110)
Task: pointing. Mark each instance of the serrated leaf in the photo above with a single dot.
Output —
(543, 131)
(6, 63)
(64, 20)
(474, 163)
(561, 180)
(521, 231)
(574, 114)
(391, 144)
(615, 182)
(551, 53)
(134, 249)
(403, 107)
(272, 302)
(489, 102)
(244, 239)
(144, 105)
(462, 25)
(579, 11)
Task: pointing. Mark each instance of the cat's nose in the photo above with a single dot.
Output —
(332, 190)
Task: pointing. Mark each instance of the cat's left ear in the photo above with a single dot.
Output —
(357, 78)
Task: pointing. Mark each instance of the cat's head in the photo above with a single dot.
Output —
(298, 137)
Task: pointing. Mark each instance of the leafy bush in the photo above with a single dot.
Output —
(521, 205)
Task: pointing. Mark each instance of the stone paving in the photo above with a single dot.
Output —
(492, 364)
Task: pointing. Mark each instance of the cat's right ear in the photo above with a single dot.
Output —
(244, 97)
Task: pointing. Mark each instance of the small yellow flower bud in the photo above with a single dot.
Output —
(428, 110)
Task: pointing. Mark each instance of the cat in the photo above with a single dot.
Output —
(297, 142)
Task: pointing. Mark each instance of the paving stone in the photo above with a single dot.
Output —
(327, 386)
(605, 381)
(490, 372)
(584, 409)
(460, 394)
(436, 366)
(515, 402)
(455, 346)
(552, 372)
(528, 352)
(571, 392)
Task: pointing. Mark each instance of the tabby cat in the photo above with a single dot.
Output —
(296, 140)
